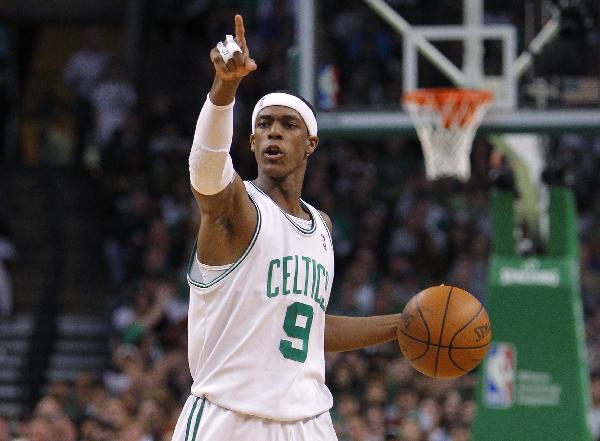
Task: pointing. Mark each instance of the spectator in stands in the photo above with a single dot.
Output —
(40, 429)
(60, 391)
(8, 253)
(112, 97)
(133, 431)
(5, 97)
(82, 71)
(596, 405)
(48, 407)
(429, 416)
(64, 428)
(81, 395)
(53, 410)
(410, 429)
(460, 432)
(147, 311)
(114, 413)
(375, 420)
(94, 429)
(4, 430)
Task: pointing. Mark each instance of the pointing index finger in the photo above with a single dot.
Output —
(240, 33)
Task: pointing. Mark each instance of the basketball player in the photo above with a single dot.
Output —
(260, 275)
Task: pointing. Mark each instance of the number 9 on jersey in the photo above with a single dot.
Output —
(295, 330)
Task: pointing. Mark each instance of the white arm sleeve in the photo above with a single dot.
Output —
(211, 169)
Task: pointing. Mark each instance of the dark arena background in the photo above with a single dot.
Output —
(98, 105)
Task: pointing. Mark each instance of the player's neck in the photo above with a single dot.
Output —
(285, 192)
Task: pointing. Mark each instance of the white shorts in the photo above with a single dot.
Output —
(201, 420)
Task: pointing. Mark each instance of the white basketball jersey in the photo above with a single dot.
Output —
(256, 332)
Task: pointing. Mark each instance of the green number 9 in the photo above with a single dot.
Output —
(293, 330)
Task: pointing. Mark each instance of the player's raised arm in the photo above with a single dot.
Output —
(210, 164)
(228, 218)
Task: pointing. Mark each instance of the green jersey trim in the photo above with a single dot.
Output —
(306, 231)
(325, 225)
(235, 264)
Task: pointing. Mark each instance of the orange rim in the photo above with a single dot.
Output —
(447, 101)
(442, 95)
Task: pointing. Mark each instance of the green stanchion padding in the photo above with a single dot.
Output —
(534, 383)
(503, 223)
(292, 77)
(563, 233)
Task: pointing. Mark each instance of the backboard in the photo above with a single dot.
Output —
(521, 51)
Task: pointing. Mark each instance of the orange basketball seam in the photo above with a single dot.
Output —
(424, 321)
(437, 356)
(450, 347)
(420, 341)
(412, 337)
(428, 333)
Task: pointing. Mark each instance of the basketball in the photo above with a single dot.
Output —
(444, 332)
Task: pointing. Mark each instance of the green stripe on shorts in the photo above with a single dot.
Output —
(187, 430)
(198, 419)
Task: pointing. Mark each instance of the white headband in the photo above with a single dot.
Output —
(287, 100)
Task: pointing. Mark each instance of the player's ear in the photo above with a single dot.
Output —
(252, 142)
(311, 145)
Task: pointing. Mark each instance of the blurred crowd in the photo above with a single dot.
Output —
(394, 231)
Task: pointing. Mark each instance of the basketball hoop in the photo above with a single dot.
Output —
(446, 121)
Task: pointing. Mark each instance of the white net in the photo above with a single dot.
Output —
(446, 121)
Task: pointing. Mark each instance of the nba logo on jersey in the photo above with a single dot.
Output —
(499, 376)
